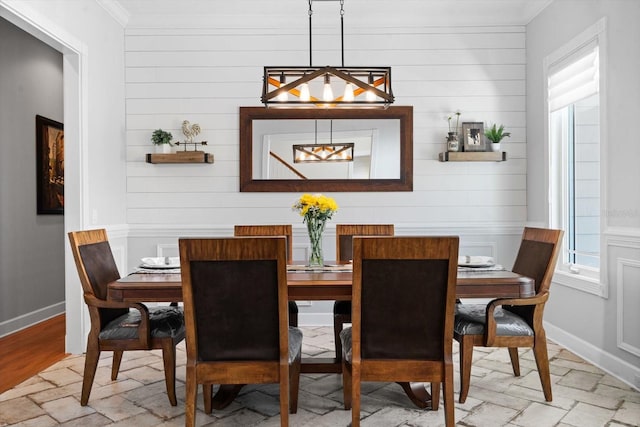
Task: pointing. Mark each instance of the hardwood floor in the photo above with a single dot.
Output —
(31, 350)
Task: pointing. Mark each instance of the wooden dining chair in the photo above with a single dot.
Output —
(235, 302)
(273, 230)
(403, 305)
(513, 322)
(344, 254)
(114, 326)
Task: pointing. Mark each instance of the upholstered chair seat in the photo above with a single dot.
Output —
(471, 319)
(164, 322)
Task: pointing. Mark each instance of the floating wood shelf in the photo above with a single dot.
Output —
(473, 156)
(181, 157)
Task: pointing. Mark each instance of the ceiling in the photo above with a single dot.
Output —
(377, 12)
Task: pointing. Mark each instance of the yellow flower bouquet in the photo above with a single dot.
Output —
(315, 209)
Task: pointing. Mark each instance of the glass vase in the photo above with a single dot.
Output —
(452, 142)
(315, 227)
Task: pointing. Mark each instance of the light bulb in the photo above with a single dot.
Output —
(283, 97)
(348, 93)
(327, 93)
(304, 92)
(370, 95)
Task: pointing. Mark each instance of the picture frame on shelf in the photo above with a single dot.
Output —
(49, 166)
(473, 136)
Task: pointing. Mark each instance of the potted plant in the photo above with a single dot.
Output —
(162, 140)
(495, 135)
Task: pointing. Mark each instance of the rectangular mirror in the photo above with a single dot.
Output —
(293, 150)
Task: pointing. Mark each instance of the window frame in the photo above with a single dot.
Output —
(585, 279)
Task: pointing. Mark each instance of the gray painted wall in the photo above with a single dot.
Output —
(31, 245)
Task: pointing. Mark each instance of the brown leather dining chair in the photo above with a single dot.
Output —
(513, 322)
(403, 305)
(273, 230)
(114, 326)
(344, 254)
(235, 303)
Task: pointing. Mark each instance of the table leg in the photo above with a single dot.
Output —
(417, 393)
(225, 395)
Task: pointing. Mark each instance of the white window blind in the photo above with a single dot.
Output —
(574, 78)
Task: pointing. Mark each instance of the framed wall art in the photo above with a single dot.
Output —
(49, 166)
(473, 134)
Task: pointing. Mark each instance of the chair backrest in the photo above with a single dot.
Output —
(235, 298)
(268, 230)
(404, 297)
(536, 258)
(96, 268)
(537, 255)
(345, 233)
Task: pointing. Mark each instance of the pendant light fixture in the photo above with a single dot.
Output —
(322, 153)
(362, 87)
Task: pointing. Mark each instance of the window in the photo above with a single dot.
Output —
(574, 96)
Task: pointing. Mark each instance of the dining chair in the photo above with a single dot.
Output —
(273, 230)
(513, 322)
(114, 326)
(403, 304)
(235, 303)
(344, 254)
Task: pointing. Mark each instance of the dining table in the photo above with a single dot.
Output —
(330, 283)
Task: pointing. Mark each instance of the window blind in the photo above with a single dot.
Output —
(575, 77)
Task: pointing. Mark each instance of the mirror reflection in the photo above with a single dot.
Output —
(320, 149)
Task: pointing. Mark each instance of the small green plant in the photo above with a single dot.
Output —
(495, 134)
(160, 137)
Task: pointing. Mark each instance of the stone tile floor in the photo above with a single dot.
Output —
(584, 396)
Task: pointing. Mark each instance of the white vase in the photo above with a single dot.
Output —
(495, 146)
(163, 148)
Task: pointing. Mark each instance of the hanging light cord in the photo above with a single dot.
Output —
(310, 50)
(341, 32)
(342, 29)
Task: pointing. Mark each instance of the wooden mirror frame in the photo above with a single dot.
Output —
(249, 114)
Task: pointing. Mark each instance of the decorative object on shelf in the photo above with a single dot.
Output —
(315, 209)
(363, 86)
(162, 140)
(189, 131)
(495, 135)
(473, 136)
(453, 144)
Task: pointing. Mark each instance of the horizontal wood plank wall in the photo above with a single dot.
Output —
(205, 73)
(31, 350)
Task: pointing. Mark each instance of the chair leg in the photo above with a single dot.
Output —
(285, 392)
(447, 388)
(337, 327)
(115, 365)
(515, 360)
(294, 384)
(191, 391)
(169, 358)
(435, 396)
(466, 356)
(90, 366)
(346, 384)
(293, 314)
(542, 362)
(207, 394)
(355, 396)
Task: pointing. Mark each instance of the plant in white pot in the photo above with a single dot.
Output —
(495, 134)
(162, 140)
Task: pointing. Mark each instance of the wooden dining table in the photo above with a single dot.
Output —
(319, 286)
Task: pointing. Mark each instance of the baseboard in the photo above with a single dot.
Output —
(609, 363)
(29, 319)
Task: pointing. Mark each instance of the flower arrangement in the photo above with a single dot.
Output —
(315, 209)
(450, 118)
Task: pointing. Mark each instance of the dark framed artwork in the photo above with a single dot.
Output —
(49, 166)
(473, 134)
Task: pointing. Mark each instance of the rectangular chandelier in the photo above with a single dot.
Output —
(304, 86)
(318, 153)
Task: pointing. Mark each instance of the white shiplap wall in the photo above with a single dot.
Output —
(204, 74)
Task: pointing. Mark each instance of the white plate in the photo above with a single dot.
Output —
(160, 262)
(475, 261)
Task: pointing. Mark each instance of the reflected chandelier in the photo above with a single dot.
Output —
(293, 86)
